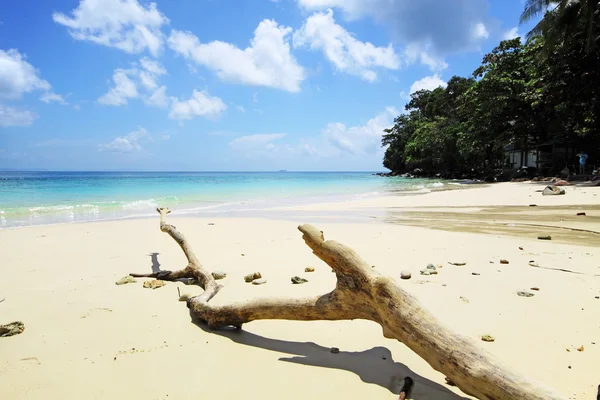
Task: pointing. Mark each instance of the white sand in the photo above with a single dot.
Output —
(59, 280)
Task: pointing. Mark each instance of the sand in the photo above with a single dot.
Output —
(86, 337)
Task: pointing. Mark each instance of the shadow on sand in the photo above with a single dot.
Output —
(375, 366)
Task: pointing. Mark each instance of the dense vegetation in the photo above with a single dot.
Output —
(524, 95)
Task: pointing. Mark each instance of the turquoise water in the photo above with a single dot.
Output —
(35, 198)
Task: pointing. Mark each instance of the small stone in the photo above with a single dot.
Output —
(219, 275)
(433, 272)
(405, 275)
(243, 254)
(458, 263)
(125, 280)
(525, 294)
(260, 281)
(425, 272)
(14, 328)
(520, 248)
(309, 269)
(334, 350)
(545, 237)
(475, 273)
(537, 289)
(155, 284)
(597, 297)
(250, 277)
(488, 338)
(211, 223)
(533, 205)
(296, 280)
(581, 214)
(503, 261)
(580, 348)
(569, 367)
(431, 266)
(185, 296)
(443, 284)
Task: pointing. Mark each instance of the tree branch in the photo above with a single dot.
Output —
(362, 293)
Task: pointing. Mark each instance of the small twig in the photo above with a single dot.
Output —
(556, 269)
(178, 293)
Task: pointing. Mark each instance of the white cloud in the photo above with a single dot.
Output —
(158, 98)
(256, 142)
(138, 82)
(480, 31)
(201, 104)
(361, 139)
(50, 97)
(241, 109)
(445, 27)
(124, 24)
(125, 88)
(17, 76)
(126, 144)
(512, 33)
(10, 116)
(342, 49)
(428, 83)
(422, 53)
(266, 62)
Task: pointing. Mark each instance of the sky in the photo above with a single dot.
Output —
(226, 85)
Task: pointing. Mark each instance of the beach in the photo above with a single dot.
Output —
(86, 337)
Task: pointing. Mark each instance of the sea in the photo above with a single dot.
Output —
(39, 198)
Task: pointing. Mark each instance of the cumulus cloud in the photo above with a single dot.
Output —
(126, 144)
(123, 24)
(137, 82)
(428, 83)
(443, 27)
(360, 139)
(511, 34)
(266, 62)
(17, 76)
(201, 104)
(11, 116)
(342, 49)
(50, 97)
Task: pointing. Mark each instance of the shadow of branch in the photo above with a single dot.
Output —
(374, 366)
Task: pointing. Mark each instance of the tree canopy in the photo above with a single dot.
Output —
(522, 96)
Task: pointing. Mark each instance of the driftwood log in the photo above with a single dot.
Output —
(363, 293)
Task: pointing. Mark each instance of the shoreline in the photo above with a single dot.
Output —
(85, 337)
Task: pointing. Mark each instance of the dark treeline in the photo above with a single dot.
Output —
(545, 92)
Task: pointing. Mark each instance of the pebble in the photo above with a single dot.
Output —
(334, 350)
(125, 280)
(252, 276)
(405, 275)
(458, 264)
(260, 281)
(535, 288)
(14, 328)
(525, 294)
(503, 261)
(533, 205)
(432, 267)
(155, 284)
(425, 272)
(475, 273)
(219, 275)
(545, 237)
(296, 280)
(309, 269)
(581, 214)
(488, 338)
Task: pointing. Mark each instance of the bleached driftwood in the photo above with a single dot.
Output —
(363, 293)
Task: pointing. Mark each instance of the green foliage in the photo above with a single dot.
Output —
(522, 96)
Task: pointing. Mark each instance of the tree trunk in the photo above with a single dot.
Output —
(363, 293)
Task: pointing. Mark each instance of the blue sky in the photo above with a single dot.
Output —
(226, 84)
